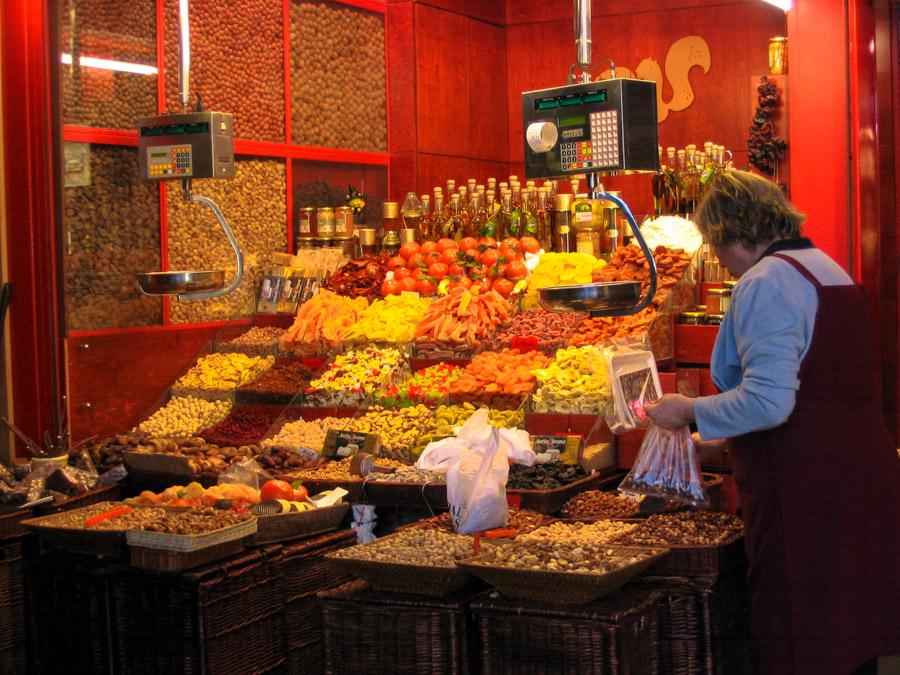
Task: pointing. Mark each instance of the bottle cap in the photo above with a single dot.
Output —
(367, 236)
(563, 202)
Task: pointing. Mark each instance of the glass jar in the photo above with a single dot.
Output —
(715, 319)
(692, 318)
(343, 222)
(325, 222)
(368, 242)
(563, 236)
(714, 300)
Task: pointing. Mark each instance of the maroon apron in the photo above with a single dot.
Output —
(821, 498)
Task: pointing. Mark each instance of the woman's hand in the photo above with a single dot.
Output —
(713, 452)
(672, 411)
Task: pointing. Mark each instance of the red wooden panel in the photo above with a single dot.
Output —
(442, 94)
(531, 11)
(115, 379)
(737, 33)
(628, 446)
(669, 382)
(694, 344)
(486, 66)
(492, 12)
(30, 147)
(688, 381)
(707, 386)
(404, 167)
(401, 77)
(818, 119)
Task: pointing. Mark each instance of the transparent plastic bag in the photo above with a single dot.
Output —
(667, 467)
(634, 382)
(247, 472)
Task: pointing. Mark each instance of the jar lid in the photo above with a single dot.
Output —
(407, 235)
(729, 285)
(367, 236)
(700, 308)
(715, 316)
(341, 240)
(325, 209)
(390, 209)
(715, 291)
(308, 208)
(694, 315)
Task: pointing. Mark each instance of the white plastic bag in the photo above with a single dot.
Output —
(440, 455)
(476, 486)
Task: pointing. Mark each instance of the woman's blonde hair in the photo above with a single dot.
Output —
(746, 208)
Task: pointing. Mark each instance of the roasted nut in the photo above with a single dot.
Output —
(112, 30)
(338, 77)
(229, 76)
(432, 548)
(184, 416)
(595, 503)
(112, 233)
(600, 532)
(254, 203)
(700, 528)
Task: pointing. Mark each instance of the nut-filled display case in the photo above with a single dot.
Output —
(306, 85)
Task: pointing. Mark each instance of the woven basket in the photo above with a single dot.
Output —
(563, 587)
(11, 523)
(371, 632)
(304, 572)
(410, 495)
(93, 542)
(186, 543)
(160, 560)
(401, 578)
(288, 526)
(551, 501)
(224, 618)
(12, 597)
(69, 623)
(616, 635)
(110, 493)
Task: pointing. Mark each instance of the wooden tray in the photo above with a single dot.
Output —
(287, 526)
(188, 543)
(176, 467)
(159, 560)
(559, 587)
(411, 495)
(78, 539)
(551, 501)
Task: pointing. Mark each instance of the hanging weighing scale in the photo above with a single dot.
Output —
(184, 146)
(588, 128)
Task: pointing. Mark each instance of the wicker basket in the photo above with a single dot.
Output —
(11, 523)
(305, 571)
(110, 493)
(551, 501)
(12, 598)
(562, 587)
(402, 578)
(161, 560)
(371, 632)
(225, 618)
(187, 543)
(92, 542)
(69, 623)
(288, 526)
(613, 636)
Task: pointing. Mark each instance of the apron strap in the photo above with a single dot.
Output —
(800, 268)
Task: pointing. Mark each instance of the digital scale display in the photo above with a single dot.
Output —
(551, 102)
(176, 129)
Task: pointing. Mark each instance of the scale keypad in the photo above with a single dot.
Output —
(175, 162)
(601, 151)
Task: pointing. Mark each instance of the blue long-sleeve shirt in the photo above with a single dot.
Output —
(763, 338)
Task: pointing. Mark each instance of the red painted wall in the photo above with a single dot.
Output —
(819, 116)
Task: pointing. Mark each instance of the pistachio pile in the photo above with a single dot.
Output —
(409, 475)
(184, 416)
(305, 433)
(600, 532)
(580, 558)
(341, 470)
(432, 548)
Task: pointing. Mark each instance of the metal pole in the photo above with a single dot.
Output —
(184, 52)
(583, 37)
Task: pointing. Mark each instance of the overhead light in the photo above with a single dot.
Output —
(786, 5)
(109, 64)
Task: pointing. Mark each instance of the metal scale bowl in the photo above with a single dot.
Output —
(611, 298)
